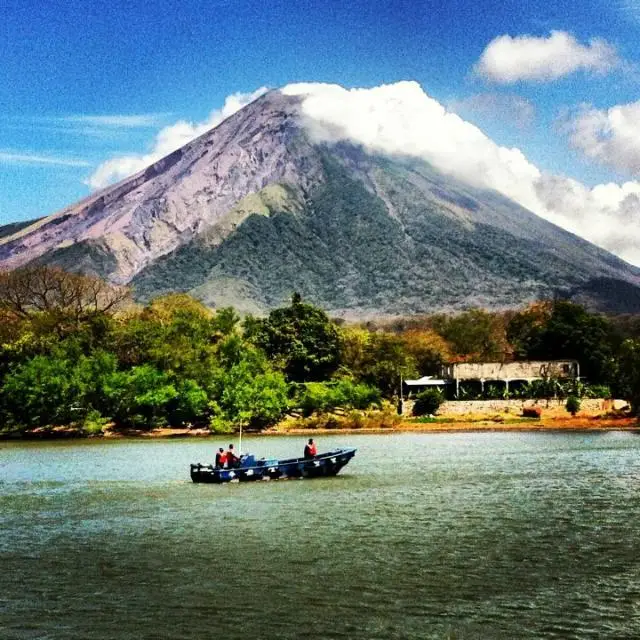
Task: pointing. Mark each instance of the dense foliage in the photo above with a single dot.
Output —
(428, 402)
(572, 405)
(302, 339)
(75, 351)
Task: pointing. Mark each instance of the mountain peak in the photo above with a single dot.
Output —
(256, 208)
(163, 206)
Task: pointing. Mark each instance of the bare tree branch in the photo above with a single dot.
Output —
(30, 290)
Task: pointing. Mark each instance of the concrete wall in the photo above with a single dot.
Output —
(458, 408)
(509, 370)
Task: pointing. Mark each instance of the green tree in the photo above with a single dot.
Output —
(427, 402)
(55, 390)
(250, 393)
(302, 339)
(38, 393)
(190, 406)
(572, 405)
(226, 320)
(627, 374)
(564, 330)
(176, 334)
(386, 361)
(141, 397)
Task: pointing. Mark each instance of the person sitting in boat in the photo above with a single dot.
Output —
(232, 458)
(310, 450)
(221, 458)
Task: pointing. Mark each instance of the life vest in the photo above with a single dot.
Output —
(313, 450)
(222, 460)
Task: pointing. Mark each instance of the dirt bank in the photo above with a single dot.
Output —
(371, 425)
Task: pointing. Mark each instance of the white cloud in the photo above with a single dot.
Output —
(15, 157)
(401, 119)
(167, 140)
(511, 59)
(119, 121)
(611, 136)
(608, 214)
(506, 107)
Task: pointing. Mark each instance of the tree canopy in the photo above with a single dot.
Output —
(75, 350)
(303, 339)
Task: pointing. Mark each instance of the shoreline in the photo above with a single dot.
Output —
(577, 424)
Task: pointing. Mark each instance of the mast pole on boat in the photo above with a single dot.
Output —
(240, 440)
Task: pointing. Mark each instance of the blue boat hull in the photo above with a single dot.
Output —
(322, 465)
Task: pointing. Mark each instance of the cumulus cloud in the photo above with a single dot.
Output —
(167, 140)
(608, 214)
(401, 119)
(511, 59)
(611, 137)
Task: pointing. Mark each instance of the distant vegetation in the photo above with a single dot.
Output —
(76, 351)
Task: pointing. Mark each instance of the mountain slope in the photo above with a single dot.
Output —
(164, 206)
(345, 251)
(253, 210)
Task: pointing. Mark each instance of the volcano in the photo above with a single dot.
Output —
(255, 209)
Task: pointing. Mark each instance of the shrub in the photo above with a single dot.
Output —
(318, 397)
(598, 391)
(354, 395)
(496, 392)
(94, 423)
(315, 397)
(218, 424)
(572, 405)
(427, 402)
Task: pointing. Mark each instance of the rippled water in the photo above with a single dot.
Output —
(423, 536)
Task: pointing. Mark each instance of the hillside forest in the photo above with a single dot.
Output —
(75, 350)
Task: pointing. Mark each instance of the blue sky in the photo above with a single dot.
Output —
(84, 81)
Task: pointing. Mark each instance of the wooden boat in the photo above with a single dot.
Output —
(250, 469)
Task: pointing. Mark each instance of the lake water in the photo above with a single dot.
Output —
(520, 535)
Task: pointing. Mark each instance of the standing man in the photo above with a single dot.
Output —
(310, 450)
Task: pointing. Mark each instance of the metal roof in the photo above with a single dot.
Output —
(426, 381)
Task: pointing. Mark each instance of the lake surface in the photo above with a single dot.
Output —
(519, 535)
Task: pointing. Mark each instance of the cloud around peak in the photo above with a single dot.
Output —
(508, 59)
(401, 119)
